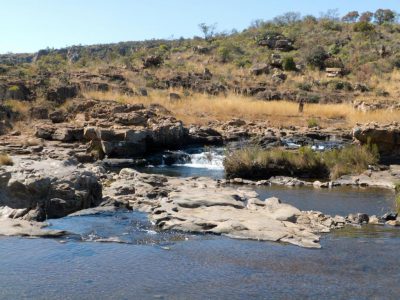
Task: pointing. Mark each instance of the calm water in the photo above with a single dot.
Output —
(354, 263)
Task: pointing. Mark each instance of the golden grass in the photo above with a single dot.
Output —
(202, 109)
(21, 107)
(5, 160)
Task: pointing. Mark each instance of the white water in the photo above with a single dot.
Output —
(211, 160)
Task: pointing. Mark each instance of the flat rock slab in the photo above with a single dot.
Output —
(204, 205)
(14, 227)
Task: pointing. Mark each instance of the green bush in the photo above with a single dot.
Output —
(339, 85)
(312, 123)
(316, 57)
(305, 86)
(363, 27)
(288, 64)
(243, 62)
(13, 88)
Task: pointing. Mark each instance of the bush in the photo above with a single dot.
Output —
(305, 86)
(316, 57)
(13, 88)
(288, 64)
(5, 160)
(338, 85)
(243, 62)
(257, 163)
(312, 123)
(363, 27)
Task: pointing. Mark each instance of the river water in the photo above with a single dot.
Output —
(354, 263)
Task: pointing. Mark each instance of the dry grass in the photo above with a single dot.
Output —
(5, 160)
(201, 109)
(21, 107)
(257, 163)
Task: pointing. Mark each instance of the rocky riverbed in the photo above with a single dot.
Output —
(74, 159)
(35, 190)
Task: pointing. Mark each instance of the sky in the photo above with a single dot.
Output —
(30, 25)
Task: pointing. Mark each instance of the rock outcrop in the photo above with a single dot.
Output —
(115, 130)
(203, 205)
(38, 190)
(385, 137)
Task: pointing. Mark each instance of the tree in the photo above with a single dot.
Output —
(384, 16)
(208, 30)
(351, 17)
(310, 19)
(288, 18)
(366, 17)
(330, 14)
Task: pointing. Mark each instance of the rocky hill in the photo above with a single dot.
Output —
(324, 59)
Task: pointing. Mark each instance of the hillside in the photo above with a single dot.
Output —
(285, 59)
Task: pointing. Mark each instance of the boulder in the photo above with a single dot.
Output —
(174, 97)
(50, 189)
(39, 113)
(15, 91)
(385, 137)
(260, 69)
(60, 94)
(152, 61)
(58, 116)
(358, 218)
(204, 135)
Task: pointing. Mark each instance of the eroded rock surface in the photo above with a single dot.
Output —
(203, 205)
(385, 137)
(47, 188)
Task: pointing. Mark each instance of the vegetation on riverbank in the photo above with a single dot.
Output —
(397, 189)
(5, 160)
(257, 163)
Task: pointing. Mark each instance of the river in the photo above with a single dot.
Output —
(354, 263)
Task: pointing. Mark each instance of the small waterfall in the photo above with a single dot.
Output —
(212, 159)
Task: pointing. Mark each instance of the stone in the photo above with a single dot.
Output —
(393, 223)
(51, 189)
(373, 220)
(14, 227)
(152, 61)
(389, 216)
(57, 116)
(358, 218)
(60, 94)
(203, 205)
(260, 69)
(385, 137)
(39, 113)
(174, 97)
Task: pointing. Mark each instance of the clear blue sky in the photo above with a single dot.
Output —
(30, 25)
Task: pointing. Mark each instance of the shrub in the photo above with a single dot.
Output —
(305, 86)
(13, 88)
(243, 62)
(338, 85)
(316, 57)
(363, 27)
(288, 64)
(312, 123)
(5, 160)
(255, 162)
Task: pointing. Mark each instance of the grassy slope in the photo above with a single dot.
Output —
(230, 59)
